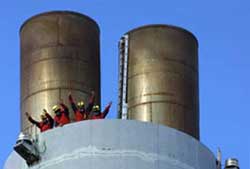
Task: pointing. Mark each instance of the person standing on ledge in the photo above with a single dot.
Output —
(97, 114)
(46, 122)
(62, 115)
(80, 112)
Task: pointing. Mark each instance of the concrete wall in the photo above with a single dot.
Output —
(117, 144)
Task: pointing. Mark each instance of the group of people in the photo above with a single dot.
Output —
(62, 113)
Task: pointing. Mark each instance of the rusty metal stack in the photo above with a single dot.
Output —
(162, 77)
(60, 53)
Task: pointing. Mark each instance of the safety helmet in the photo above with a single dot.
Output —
(42, 116)
(55, 108)
(80, 104)
(96, 108)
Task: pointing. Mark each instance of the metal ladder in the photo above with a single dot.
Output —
(123, 77)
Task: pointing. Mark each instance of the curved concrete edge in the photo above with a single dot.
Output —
(116, 144)
(14, 161)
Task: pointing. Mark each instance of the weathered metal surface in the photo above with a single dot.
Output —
(112, 144)
(232, 163)
(59, 54)
(163, 77)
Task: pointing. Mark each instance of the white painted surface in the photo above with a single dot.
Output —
(117, 144)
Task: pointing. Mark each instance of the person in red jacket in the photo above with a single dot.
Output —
(46, 122)
(97, 114)
(80, 112)
(62, 115)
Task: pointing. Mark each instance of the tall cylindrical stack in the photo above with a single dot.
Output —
(162, 77)
(59, 54)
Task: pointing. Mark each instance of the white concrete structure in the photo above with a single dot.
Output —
(117, 144)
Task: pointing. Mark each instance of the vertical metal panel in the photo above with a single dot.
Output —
(59, 54)
(163, 77)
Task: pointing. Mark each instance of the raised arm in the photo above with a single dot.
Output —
(32, 120)
(91, 102)
(51, 120)
(106, 110)
(73, 105)
(65, 109)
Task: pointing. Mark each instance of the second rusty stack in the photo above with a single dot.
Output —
(159, 77)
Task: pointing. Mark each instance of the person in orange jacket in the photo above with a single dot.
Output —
(62, 115)
(97, 114)
(46, 122)
(80, 112)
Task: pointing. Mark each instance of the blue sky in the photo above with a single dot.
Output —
(222, 28)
